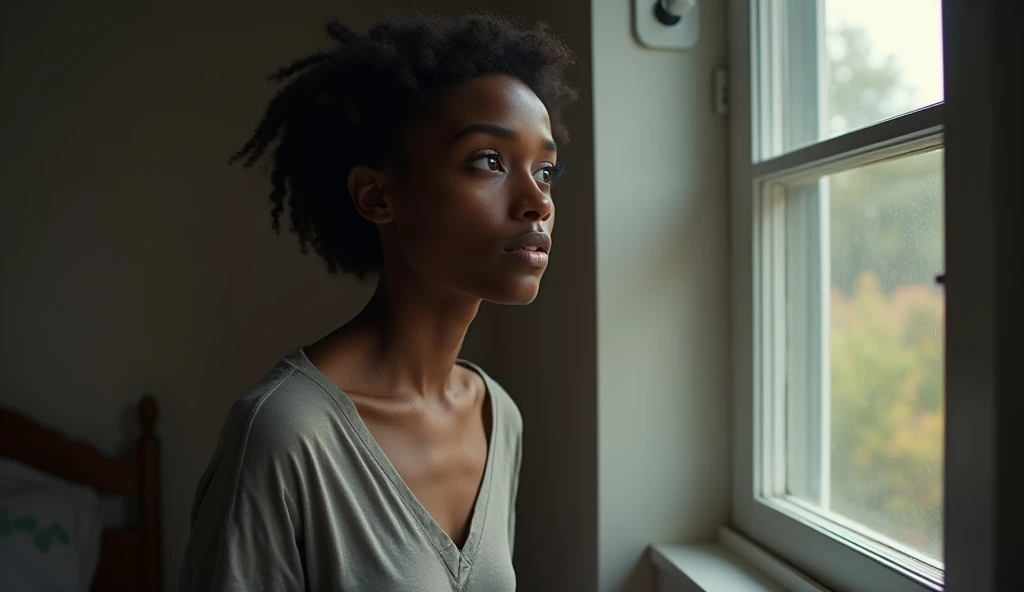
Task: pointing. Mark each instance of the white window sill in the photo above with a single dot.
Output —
(732, 564)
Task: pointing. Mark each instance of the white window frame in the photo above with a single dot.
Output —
(839, 555)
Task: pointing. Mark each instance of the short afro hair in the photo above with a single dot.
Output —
(354, 104)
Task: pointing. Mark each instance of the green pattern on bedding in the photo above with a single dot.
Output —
(42, 538)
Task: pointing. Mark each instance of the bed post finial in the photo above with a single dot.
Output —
(148, 413)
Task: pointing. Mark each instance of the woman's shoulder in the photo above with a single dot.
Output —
(261, 439)
(281, 411)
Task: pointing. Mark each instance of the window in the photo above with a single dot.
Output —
(837, 167)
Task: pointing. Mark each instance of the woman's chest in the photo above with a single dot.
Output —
(442, 462)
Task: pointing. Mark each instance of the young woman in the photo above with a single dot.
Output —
(423, 153)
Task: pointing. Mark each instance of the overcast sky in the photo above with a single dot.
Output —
(909, 29)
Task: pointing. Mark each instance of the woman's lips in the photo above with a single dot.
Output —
(531, 258)
(531, 248)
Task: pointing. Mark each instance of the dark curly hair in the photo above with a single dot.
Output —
(353, 105)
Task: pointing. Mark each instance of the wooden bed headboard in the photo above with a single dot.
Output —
(130, 558)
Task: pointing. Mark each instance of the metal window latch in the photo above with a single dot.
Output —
(720, 90)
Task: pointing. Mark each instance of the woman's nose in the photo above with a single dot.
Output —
(532, 203)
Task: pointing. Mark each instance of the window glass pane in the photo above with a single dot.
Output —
(880, 385)
(883, 59)
(840, 65)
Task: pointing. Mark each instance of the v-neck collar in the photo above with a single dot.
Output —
(459, 562)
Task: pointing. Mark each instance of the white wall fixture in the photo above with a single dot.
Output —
(667, 24)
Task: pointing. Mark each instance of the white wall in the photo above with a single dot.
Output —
(662, 293)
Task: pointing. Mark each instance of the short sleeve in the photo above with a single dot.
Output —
(246, 520)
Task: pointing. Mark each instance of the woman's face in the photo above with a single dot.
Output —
(472, 211)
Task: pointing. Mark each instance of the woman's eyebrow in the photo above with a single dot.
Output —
(498, 131)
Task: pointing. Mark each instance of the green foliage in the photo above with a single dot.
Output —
(886, 314)
(887, 410)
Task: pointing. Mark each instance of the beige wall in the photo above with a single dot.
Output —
(662, 293)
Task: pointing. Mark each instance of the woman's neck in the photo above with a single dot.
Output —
(405, 342)
(418, 335)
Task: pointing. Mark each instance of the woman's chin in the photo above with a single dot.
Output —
(522, 293)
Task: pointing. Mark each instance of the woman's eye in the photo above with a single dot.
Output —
(544, 175)
(487, 163)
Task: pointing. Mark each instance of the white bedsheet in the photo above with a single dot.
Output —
(50, 531)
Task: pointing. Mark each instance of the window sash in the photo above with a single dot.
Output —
(790, 391)
(863, 143)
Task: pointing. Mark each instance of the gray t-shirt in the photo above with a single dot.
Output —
(299, 496)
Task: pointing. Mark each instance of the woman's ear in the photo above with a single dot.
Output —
(366, 186)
